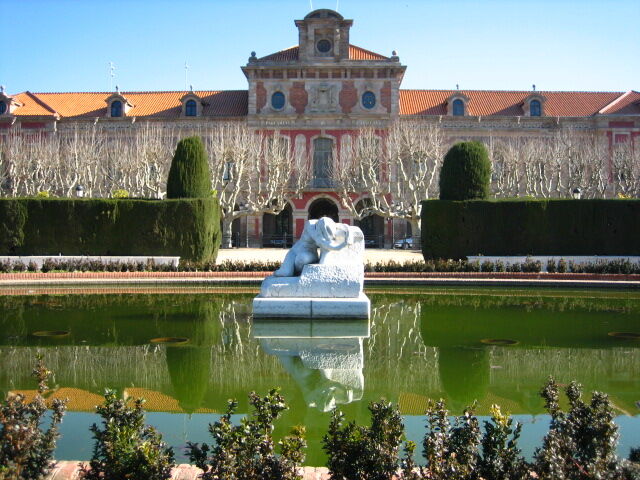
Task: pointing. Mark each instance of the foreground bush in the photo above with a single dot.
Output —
(366, 453)
(125, 447)
(26, 451)
(465, 172)
(247, 451)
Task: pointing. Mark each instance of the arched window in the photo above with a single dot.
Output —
(535, 109)
(190, 108)
(458, 107)
(3, 108)
(116, 108)
(277, 100)
(368, 100)
(322, 158)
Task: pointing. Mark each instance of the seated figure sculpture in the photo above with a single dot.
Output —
(316, 234)
(325, 263)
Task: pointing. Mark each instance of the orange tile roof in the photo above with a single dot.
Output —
(509, 103)
(233, 103)
(225, 103)
(291, 54)
(32, 106)
(627, 104)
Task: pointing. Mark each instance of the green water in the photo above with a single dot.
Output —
(496, 346)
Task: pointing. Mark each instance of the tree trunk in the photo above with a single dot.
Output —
(227, 223)
(416, 232)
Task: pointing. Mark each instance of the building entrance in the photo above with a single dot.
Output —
(323, 207)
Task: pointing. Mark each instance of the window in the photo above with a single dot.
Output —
(535, 109)
(368, 100)
(458, 107)
(323, 46)
(190, 108)
(277, 100)
(322, 158)
(116, 108)
(3, 108)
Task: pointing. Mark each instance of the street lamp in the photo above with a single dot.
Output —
(576, 193)
(79, 191)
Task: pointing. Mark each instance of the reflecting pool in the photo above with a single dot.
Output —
(188, 350)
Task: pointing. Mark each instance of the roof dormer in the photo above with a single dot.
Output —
(457, 104)
(323, 34)
(191, 105)
(117, 105)
(533, 105)
(7, 103)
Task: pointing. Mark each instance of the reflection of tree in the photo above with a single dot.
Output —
(189, 370)
(464, 375)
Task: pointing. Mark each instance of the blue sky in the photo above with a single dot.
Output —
(66, 45)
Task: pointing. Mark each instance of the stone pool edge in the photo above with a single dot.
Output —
(69, 470)
(506, 279)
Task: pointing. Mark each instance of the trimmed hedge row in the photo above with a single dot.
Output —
(189, 228)
(453, 229)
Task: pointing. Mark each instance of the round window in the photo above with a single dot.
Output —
(277, 100)
(3, 107)
(323, 45)
(368, 99)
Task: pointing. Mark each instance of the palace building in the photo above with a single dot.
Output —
(322, 90)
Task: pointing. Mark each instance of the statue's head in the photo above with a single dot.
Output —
(326, 228)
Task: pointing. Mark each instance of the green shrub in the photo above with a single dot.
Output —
(125, 447)
(581, 443)
(189, 228)
(189, 175)
(247, 451)
(465, 172)
(452, 229)
(366, 453)
(26, 451)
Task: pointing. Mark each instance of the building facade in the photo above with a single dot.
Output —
(320, 93)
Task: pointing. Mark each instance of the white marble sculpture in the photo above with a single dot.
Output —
(321, 276)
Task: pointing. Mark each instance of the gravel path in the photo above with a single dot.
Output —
(372, 255)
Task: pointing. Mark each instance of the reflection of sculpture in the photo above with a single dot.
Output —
(316, 234)
(325, 358)
(329, 282)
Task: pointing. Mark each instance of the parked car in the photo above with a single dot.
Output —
(405, 243)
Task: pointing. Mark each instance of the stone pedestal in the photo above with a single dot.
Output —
(311, 307)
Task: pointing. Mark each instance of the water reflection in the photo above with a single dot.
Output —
(419, 345)
(324, 357)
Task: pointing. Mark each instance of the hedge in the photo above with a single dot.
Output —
(189, 228)
(453, 229)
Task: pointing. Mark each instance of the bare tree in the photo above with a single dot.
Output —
(252, 173)
(625, 163)
(390, 173)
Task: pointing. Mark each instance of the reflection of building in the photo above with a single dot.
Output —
(324, 357)
(319, 94)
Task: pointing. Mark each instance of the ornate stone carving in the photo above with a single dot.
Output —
(324, 98)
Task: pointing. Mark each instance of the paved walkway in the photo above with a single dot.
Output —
(371, 255)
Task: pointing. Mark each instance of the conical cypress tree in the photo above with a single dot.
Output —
(189, 176)
(465, 172)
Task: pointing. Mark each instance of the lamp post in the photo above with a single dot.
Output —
(79, 191)
(576, 193)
